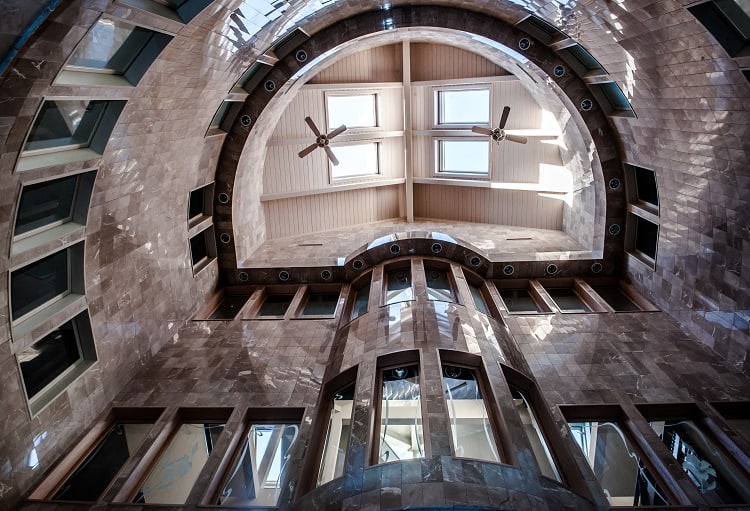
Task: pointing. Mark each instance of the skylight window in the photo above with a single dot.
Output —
(355, 160)
(457, 156)
(353, 111)
(463, 106)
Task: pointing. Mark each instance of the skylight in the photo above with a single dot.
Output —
(463, 106)
(354, 111)
(456, 156)
(355, 160)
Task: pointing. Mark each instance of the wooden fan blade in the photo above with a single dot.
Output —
(516, 138)
(331, 156)
(307, 150)
(481, 130)
(312, 125)
(504, 117)
(336, 132)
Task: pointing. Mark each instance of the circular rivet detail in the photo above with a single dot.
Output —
(301, 55)
(596, 267)
(436, 248)
(508, 269)
(551, 269)
(524, 43)
(395, 249)
(270, 85)
(475, 261)
(223, 198)
(559, 71)
(614, 229)
(614, 183)
(325, 275)
(225, 237)
(358, 264)
(587, 105)
(283, 275)
(245, 120)
(243, 276)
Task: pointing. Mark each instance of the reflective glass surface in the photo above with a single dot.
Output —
(536, 437)
(400, 435)
(48, 358)
(464, 106)
(398, 286)
(568, 300)
(519, 301)
(321, 304)
(46, 203)
(275, 305)
(439, 286)
(110, 45)
(64, 124)
(361, 300)
(355, 111)
(337, 438)
(36, 284)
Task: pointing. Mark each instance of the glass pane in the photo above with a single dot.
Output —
(439, 286)
(110, 45)
(100, 467)
(519, 301)
(465, 156)
(536, 438)
(361, 300)
(479, 303)
(356, 111)
(178, 467)
(275, 305)
(470, 424)
(65, 124)
(221, 112)
(48, 358)
(36, 284)
(400, 436)
(567, 299)
(45, 203)
(198, 249)
(645, 181)
(195, 203)
(618, 468)
(703, 461)
(464, 106)
(398, 287)
(355, 160)
(337, 438)
(616, 299)
(257, 477)
(646, 235)
(321, 304)
(229, 307)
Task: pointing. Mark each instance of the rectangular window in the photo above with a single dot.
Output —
(645, 181)
(229, 307)
(320, 303)
(646, 237)
(439, 286)
(110, 46)
(519, 301)
(478, 297)
(463, 106)
(361, 301)
(352, 110)
(337, 437)
(355, 160)
(39, 283)
(398, 286)
(617, 466)
(471, 426)
(535, 435)
(567, 299)
(200, 204)
(400, 435)
(101, 466)
(729, 22)
(463, 156)
(275, 305)
(177, 469)
(616, 298)
(64, 124)
(225, 115)
(202, 249)
(46, 204)
(258, 474)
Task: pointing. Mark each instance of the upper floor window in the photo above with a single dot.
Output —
(64, 124)
(463, 156)
(398, 286)
(462, 106)
(361, 301)
(337, 438)
(355, 160)
(439, 285)
(352, 110)
(400, 435)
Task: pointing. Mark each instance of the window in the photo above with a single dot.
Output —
(729, 22)
(478, 297)
(224, 117)
(568, 300)
(361, 301)
(439, 285)
(400, 434)
(469, 157)
(229, 307)
(581, 61)
(202, 249)
(611, 99)
(535, 435)
(179, 465)
(258, 474)
(117, 48)
(179, 10)
(49, 365)
(355, 160)
(616, 298)
(200, 204)
(321, 303)
(463, 106)
(337, 437)
(398, 286)
(642, 225)
(275, 305)
(646, 236)
(352, 110)
(645, 185)
(520, 301)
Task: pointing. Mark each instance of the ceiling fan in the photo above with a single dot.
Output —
(322, 140)
(499, 134)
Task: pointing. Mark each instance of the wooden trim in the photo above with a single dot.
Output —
(374, 182)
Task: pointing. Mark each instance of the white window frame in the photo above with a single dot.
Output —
(438, 159)
(437, 105)
(354, 92)
(332, 167)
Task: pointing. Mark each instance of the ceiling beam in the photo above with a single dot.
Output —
(408, 170)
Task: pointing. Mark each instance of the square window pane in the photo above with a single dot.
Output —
(355, 160)
(275, 305)
(464, 156)
(111, 45)
(48, 358)
(65, 124)
(45, 203)
(464, 106)
(321, 304)
(355, 111)
(36, 284)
